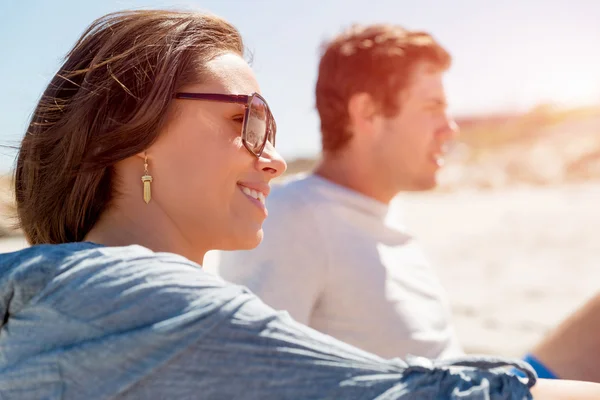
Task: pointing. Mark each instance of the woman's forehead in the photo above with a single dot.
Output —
(229, 73)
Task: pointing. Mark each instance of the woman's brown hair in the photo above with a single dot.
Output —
(106, 103)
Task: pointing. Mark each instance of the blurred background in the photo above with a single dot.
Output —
(512, 228)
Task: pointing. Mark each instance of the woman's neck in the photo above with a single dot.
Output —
(117, 227)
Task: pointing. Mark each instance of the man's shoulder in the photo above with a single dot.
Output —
(297, 194)
(292, 185)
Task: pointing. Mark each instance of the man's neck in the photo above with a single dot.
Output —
(355, 174)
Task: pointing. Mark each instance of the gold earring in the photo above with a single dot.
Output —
(147, 179)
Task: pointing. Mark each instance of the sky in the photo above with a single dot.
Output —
(507, 56)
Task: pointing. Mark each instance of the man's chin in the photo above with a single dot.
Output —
(424, 185)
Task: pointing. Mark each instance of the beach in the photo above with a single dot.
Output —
(514, 262)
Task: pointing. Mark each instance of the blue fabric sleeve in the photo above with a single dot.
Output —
(131, 324)
(258, 353)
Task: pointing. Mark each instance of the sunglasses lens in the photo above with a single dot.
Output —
(256, 125)
(272, 131)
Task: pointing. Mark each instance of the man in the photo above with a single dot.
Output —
(335, 254)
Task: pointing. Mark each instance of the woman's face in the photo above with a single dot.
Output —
(204, 179)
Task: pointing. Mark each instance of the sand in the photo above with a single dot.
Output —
(514, 262)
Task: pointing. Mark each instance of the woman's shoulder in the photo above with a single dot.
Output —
(48, 261)
(92, 282)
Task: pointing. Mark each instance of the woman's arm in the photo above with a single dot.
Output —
(565, 390)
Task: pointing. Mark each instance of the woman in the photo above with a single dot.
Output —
(150, 147)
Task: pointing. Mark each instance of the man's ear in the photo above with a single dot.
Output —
(362, 111)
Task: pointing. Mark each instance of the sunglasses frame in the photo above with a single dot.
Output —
(246, 100)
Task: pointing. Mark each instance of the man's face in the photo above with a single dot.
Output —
(411, 144)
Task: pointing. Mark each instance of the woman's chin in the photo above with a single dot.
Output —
(245, 241)
(253, 240)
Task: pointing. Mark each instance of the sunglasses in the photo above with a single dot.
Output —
(258, 126)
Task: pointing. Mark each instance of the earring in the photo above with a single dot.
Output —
(147, 179)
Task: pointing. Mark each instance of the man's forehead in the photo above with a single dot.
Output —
(428, 83)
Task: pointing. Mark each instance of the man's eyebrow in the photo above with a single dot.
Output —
(436, 102)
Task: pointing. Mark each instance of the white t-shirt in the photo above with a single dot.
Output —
(343, 263)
